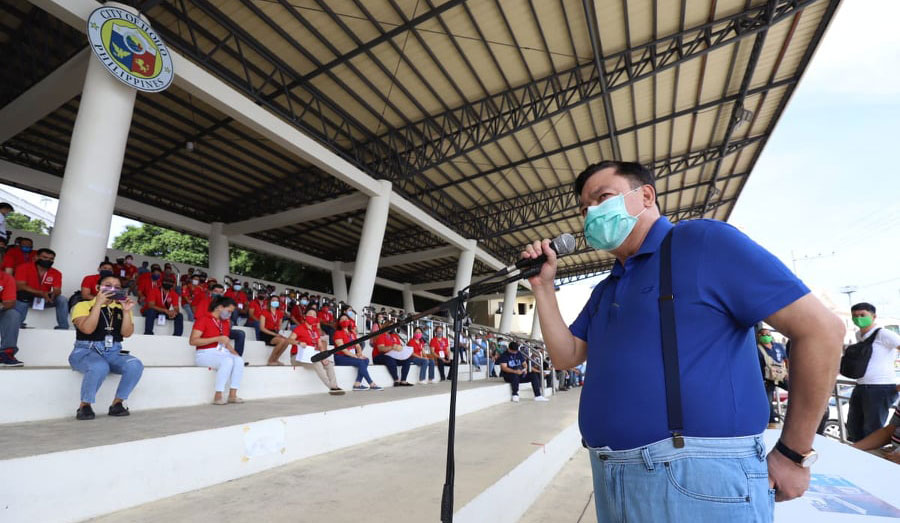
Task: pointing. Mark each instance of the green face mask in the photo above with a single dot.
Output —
(765, 339)
(863, 321)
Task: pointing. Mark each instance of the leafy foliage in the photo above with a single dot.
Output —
(21, 222)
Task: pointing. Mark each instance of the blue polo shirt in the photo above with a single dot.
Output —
(724, 283)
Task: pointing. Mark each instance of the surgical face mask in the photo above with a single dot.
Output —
(863, 321)
(304, 302)
(237, 287)
(274, 304)
(195, 282)
(26, 250)
(765, 339)
(607, 225)
(155, 277)
(417, 335)
(351, 314)
(224, 314)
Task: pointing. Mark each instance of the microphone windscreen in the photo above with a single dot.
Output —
(564, 244)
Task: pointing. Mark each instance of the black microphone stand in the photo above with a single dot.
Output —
(457, 308)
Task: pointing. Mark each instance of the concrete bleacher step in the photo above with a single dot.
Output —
(153, 454)
(503, 452)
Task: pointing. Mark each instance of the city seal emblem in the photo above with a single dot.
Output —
(130, 49)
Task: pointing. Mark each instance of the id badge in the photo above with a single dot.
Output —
(108, 341)
(161, 320)
(38, 304)
(220, 347)
(241, 306)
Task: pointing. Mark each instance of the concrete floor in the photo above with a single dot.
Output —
(398, 478)
(570, 496)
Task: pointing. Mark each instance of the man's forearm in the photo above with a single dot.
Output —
(875, 440)
(557, 337)
(813, 373)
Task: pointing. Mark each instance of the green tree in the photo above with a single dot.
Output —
(23, 223)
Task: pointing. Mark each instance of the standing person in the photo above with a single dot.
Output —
(5, 209)
(514, 370)
(703, 414)
(391, 342)
(308, 334)
(773, 364)
(40, 286)
(421, 357)
(440, 347)
(210, 335)
(352, 356)
(101, 324)
(10, 319)
(876, 391)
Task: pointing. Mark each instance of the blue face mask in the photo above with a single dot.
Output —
(304, 302)
(607, 225)
(237, 287)
(351, 314)
(26, 250)
(155, 277)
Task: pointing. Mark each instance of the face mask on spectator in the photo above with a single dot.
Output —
(351, 314)
(312, 320)
(417, 335)
(345, 323)
(195, 281)
(224, 314)
(304, 302)
(274, 304)
(217, 293)
(26, 250)
(237, 286)
(155, 277)
(44, 263)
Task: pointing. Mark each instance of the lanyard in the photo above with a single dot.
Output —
(107, 319)
(218, 324)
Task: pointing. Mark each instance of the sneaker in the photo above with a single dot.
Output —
(375, 387)
(541, 398)
(404, 384)
(118, 409)
(85, 412)
(336, 392)
(8, 360)
(360, 387)
(515, 398)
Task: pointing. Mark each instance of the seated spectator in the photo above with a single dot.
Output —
(308, 335)
(352, 356)
(440, 347)
(163, 302)
(391, 342)
(119, 268)
(326, 319)
(217, 290)
(145, 268)
(130, 269)
(269, 325)
(40, 286)
(298, 312)
(479, 345)
(186, 277)
(19, 254)
(89, 282)
(884, 442)
(236, 293)
(211, 336)
(148, 280)
(514, 371)
(101, 324)
(422, 357)
(255, 310)
(5, 208)
(10, 319)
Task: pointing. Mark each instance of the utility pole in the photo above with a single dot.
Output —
(807, 257)
(849, 290)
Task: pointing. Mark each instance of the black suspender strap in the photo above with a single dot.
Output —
(670, 343)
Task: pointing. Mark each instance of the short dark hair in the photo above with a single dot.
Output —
(513, 345)
(108, 276)
(25, 238)
(224, 301)
(216, 286)
(636, 173)
(863, 306)
(4, 206)
(45, 250)
(104, 262)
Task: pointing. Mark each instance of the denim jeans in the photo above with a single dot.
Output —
(237, 336)
(425, 365)
(62, 310)
(391, 365)
(869, 409)
(515, 379)
(188, 311)
(362, 367)
(92, 359)
(255, 324)
(150, 321)
(10, 320)
(709, 480)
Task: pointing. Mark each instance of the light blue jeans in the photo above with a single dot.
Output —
(709, 480)
(93, 360)
(62, 310)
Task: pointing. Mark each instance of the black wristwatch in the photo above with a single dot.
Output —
(804, 460)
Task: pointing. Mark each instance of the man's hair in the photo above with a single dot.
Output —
(129, 256)
(45, 250)
(224, 301)
(5, 206)
(215, 286)
(104, 262)
(863, 306)
(112, 276)
(513, 345)
(636, 173)
(25, 239)
(155, 268)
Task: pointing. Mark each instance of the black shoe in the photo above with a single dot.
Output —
(118, 409)
(85, 412)
(404, 384)
(8, 360)
(337, 392)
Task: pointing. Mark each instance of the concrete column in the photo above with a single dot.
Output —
(509, 306)
(464, 269)
(536, 326)
(87, 196)
(409, 304)
(218, 252)
(339, 282)
(369, 251)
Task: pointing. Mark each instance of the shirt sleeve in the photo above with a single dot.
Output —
(82, 308)
(582, 323)
(746, 280)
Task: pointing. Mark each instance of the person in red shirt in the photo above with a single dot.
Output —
(326, 320)
(130, 269)
(163, 301)
(298, 313)
(352, 356)
(18, 255)
(391, 342)
(310, 337)
(422, 356)
(211, 336)
(10, 319)
(89, 283)
(236, 293)
(269, 325)
(40, 285)
(440, 348)
(255, 310)
(147, 280)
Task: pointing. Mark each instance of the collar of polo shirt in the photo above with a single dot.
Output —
(651, 243)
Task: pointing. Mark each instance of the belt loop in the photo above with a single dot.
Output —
(760, 448)
(645, 453)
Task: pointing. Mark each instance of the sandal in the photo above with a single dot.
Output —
(220, 402)
(236, 399)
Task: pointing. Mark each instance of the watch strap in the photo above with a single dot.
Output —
(790, 454)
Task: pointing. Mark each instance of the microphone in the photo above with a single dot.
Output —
(561, 245)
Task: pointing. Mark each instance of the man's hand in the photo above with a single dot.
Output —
(548, 269)
(171, 314)
(787, 478)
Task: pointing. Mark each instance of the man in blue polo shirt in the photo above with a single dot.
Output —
(690, 451)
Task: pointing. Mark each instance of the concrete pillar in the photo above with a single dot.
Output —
(409, 305)
(536, 326)
(509, 306)
(464, 269)
(218, 252)
(87, 196)
(339, 282)
(369, 251)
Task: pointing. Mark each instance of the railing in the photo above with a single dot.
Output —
(836, 394)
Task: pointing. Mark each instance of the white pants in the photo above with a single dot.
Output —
(227, 365)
